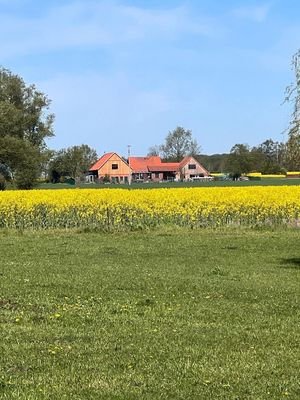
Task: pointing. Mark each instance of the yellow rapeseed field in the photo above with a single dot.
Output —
(121, 209)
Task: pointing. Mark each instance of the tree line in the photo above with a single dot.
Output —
(26, 123)
(269, 157)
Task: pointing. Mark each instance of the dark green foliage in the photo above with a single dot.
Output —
(239, 160)
(22, 110)
(24, 126)
(26, 178)
(269, 157)
(293, 152)
(5, 176)
(73, 162)
(2, 182)
(214, 162)
(23, 158)
(106, 178)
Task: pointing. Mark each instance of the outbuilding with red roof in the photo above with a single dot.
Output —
(110, 167)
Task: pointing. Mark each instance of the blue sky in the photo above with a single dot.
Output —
(128, 71)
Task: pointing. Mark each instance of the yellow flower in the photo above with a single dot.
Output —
(120, 209)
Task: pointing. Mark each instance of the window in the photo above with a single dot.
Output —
(192, 166)
(114, 166)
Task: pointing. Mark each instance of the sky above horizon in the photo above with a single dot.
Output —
(126, 72)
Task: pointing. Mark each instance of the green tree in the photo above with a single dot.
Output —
(73, 161)
(293, 95)
(268, 157)
(5, 175)
(5, 172)
(22, 159)
(293, 152)
(154, 151)
(23, 110)
(214, 162)
(24, 126)
(240, 160)
(178, 144)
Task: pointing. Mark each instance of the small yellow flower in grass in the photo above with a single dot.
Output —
(55, 316)
(17, 320)
(226, 385)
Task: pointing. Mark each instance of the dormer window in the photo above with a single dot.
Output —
(192, 166)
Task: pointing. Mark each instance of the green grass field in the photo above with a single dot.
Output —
(181, 314)
(151, 185)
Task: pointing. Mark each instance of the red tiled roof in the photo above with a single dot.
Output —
(102, 160)
(141, 164)
(151, 164)
(154, 160)
(184, 161)
(138, 164)
(164, 167)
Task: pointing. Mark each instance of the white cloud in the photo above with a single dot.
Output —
(90, 23)
(102, 108)
(257, 13)
(12, 2)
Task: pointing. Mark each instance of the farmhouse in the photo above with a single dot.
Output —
(154, 169)
(116, 169)
(110, 167)
(191, 169)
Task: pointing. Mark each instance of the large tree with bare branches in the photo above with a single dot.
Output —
(293, 95)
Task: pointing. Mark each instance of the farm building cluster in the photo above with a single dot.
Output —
(113, 168)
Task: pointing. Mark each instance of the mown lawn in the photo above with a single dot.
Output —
(153, 185)
(178, 314)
